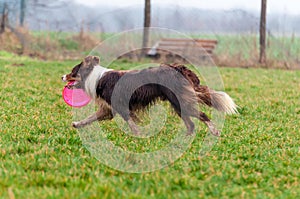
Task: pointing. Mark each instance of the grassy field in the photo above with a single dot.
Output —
(258, 155)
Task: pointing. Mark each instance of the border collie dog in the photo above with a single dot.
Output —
(126, 91)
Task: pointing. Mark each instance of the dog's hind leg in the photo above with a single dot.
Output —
(204, 118)
(135, 118)
(189, 125)
(130, 118)
(134, 128)
(131, 122)
(186, 118)
(101, 114)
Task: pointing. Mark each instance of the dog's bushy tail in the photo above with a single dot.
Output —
(221, 101)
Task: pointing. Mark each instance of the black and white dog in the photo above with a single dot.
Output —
(125, 92)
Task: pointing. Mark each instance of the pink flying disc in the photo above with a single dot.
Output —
(75, 97)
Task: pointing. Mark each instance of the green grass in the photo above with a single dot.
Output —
(43, 157)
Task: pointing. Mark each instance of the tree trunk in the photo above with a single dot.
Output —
(147, 24)
(3, 19)
(262, 42)
(22, 12)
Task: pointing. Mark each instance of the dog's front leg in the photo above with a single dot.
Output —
(101, 114)
(86, 121)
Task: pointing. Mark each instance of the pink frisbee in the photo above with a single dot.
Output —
(75, 97)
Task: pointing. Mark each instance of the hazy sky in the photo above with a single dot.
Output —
(281, 6)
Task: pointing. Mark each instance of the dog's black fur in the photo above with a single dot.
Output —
(162, 83)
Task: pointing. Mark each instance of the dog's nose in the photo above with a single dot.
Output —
(64, 78)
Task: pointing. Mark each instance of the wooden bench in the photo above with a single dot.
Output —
(172, 49)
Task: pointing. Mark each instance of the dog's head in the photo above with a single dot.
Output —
(80, 72)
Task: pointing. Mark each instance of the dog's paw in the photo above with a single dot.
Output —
(215, 132)
(76, 125)
(189, 133)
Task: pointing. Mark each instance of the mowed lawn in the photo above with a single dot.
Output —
(42, 156)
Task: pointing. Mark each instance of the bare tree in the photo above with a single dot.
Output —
(8, 10)
(263, 20)
(147, 24)
(22, 12)
(3, 19)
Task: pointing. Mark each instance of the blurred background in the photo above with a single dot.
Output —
(65, 29)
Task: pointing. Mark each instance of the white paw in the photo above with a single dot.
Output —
(215, 132)
(76, 124)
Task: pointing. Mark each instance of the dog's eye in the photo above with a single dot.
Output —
(76, 69)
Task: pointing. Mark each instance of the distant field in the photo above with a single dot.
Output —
(258, 155)
(232, 49)
(243, 50)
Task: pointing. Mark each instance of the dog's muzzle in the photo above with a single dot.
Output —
(64, 78)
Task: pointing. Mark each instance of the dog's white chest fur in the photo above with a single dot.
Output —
(93, 79)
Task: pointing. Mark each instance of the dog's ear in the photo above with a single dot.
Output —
(91, 61)
(96, 59)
